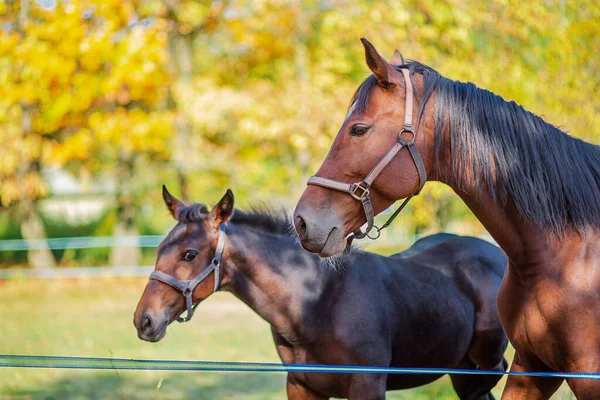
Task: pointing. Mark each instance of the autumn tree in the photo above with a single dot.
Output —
(249, 94)
(85, 88)
(130, 123)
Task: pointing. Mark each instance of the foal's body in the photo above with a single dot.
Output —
(431, 306)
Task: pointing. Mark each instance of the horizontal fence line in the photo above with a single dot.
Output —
(75, 272)
(90, 242)
(22, 361)
(84, 242)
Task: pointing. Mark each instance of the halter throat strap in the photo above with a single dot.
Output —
(187, 287)
(361, 190)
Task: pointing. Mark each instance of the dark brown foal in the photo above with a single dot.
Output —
(430, 306)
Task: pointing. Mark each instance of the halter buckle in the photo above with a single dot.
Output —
(360, 186)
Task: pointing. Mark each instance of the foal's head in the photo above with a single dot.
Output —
(186, 251)
(323, 217)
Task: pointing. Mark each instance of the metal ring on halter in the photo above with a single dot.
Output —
(377, 229)
(403, 141)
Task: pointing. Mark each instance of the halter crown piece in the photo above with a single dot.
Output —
(187, 287)
(361, 190)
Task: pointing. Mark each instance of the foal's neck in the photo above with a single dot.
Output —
(273, 276)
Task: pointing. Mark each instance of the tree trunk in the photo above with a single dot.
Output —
(32, 228)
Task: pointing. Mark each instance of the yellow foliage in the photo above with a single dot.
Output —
(62, 66)
(262, 86)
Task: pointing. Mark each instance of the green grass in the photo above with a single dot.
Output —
(94, 318)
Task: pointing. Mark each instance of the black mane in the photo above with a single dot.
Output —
(265, 218)
(259, 217)
(499, 147)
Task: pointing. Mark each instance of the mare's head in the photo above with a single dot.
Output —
(324, 217)
(184, 254)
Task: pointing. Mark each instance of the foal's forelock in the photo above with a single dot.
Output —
(193, 213)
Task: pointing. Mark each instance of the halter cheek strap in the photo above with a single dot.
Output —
(187, 287)
(361, 190)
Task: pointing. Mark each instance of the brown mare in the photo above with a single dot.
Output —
(431, 306)
(535, 189)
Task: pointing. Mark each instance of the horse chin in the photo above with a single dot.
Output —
(334, 245)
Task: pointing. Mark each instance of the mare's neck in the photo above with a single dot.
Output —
(274, 277)
(523, 241)
(527, 245)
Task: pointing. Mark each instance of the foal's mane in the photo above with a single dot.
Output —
(263, 217)
(266, 218)
(499, 147)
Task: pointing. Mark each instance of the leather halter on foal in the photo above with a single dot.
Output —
(361, 190)
(187, 287)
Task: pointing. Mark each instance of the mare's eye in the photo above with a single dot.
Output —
(359, 130)
(190, 255)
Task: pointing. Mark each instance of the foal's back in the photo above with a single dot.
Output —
(428, 306)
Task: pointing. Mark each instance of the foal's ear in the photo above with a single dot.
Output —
(382, 69)
(397, 58)
(223, 210)
(172, 203)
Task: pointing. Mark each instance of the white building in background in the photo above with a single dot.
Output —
(74, 201)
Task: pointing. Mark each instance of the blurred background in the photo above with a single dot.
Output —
(102, 102)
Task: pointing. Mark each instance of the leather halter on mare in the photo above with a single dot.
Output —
(187, 287)
(361, 190)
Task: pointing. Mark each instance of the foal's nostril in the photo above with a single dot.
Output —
(300, 226)
(146, 324)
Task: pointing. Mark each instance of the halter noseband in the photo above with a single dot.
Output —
(361, 190)
(187, 287)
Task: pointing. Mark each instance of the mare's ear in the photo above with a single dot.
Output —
(397, 58)
(382, 69)
(223, 210)
(173, 204)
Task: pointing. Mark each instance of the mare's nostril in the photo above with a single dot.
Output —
(300, 226)
(146, 324)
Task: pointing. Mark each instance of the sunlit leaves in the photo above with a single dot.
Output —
(88, 79)
(270, 83)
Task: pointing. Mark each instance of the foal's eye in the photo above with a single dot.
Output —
(359, 130)
(190, 255)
